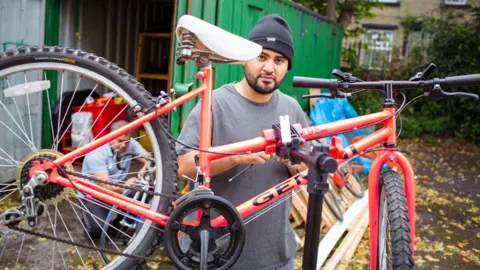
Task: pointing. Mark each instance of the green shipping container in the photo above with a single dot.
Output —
(317, 43)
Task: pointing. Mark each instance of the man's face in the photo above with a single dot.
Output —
(266, 73)
(121, 143)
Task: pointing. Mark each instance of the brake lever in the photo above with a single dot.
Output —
(461, 94)
(437, 92)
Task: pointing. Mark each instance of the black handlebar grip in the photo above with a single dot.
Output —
(306, 82)
(463, 80)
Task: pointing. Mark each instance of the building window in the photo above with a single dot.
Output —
(456, 2)
(379, 48)
(417, 41)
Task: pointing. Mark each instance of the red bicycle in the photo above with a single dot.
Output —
(44, 201)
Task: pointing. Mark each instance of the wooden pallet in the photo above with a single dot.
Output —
(298, 215)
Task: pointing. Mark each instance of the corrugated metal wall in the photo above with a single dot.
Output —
(317, 43)
(110, 28)
(21, 23)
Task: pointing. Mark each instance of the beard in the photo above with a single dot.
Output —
(258, 86)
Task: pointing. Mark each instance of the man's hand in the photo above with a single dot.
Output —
(131, 181)
(253, 158)
(293, 169)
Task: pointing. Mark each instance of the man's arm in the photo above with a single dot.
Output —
(187, 166)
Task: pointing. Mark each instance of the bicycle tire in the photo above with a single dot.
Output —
(335, 209)
(393, 224)
(100, 69)
(350, 188)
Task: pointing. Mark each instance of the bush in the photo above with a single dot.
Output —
(455, 48)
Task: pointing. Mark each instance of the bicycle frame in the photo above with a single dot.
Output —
(266, 142)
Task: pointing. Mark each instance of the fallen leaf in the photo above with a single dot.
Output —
(431, 259)
(419, 261)
(457, 225)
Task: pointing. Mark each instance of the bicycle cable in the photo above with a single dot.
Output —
(195, 148)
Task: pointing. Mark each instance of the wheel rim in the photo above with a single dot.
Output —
(8, 78)
(384, 240)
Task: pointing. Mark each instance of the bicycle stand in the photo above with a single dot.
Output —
(320, 164)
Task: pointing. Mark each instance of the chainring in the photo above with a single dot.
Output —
(192, 242)
(49, 193)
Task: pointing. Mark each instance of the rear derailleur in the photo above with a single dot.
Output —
(31, 208)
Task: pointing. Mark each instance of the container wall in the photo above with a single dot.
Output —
(21, 23)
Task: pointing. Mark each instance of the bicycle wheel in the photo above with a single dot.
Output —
(394, 241)
(25, 75)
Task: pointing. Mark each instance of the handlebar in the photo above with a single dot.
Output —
(335, 85)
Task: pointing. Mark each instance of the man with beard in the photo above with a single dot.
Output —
(240, 112)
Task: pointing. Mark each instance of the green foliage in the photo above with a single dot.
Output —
(454, 46)
(346, 11)
(360, 9)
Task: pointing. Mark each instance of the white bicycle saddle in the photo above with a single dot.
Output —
(213, 39)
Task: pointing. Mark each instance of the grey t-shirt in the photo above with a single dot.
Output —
(270, 240)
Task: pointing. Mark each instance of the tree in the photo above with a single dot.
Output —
(346, 9)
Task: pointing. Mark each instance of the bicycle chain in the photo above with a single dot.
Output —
(68, 242)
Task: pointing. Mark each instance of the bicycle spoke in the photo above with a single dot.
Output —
(5, 245)
(94, 122)
(16, 123)
(14, 164)
(123, 160)
(29, 113)
(81, 107)
(70, 236)
(54, 229)
(83, 226)
(49, 109)
(96, 219)
(24, 130)
(20, 251)
(4, 165)
(60, 108)
(112, 121)
(7, 190)
(8, 195)
(84, 208)
(14, 133)
(115, 144)
(68, 108)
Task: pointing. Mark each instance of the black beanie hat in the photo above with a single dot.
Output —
(272, 32)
